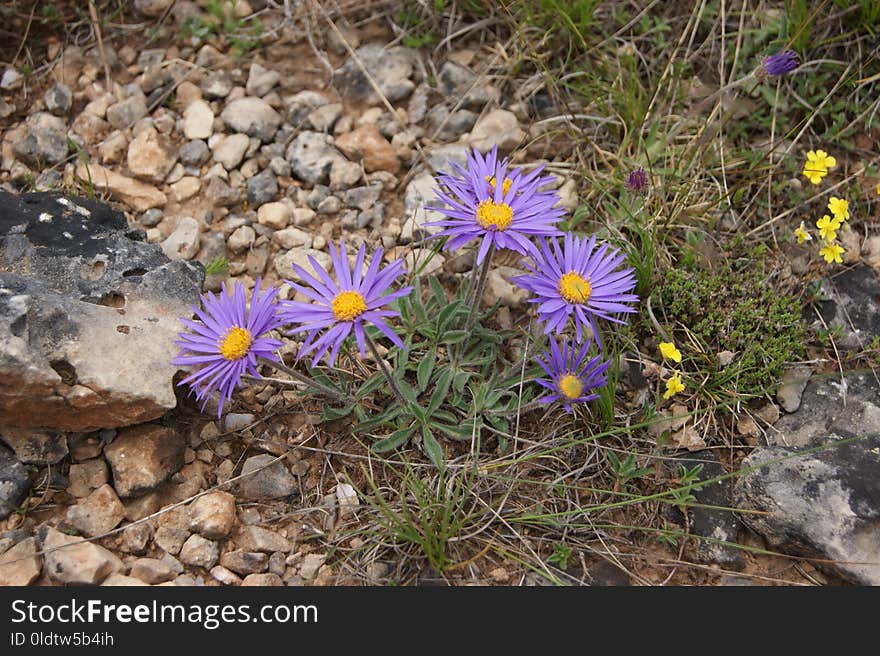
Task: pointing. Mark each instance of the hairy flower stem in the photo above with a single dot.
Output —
(305, 380)
(391, 382)
(481, 286)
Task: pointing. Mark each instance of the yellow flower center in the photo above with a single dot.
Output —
(574, 288)
(348, 306)
(494, 216)
(571, 386)
(236, 343)
(505, 186)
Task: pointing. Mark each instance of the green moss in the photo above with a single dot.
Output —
(738, 311)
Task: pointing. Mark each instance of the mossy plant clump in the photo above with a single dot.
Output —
(735, 310)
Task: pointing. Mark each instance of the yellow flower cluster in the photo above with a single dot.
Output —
(673, 384)
(817, 166)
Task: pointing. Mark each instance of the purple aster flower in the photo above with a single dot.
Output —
(779, 64)
(343, 306)
(505, 215)
(573, 376)
(227, 340)
(578, 280)
(637, 180)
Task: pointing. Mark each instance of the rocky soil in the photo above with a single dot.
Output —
(262, 161)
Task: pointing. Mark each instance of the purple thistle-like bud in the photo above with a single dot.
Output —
(780, 63)
(637, 180)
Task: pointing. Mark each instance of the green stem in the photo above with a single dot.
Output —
(305, 380)
(391, 382)
(481, 286)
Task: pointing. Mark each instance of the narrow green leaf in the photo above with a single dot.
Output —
(425, 369)
(397, 439)
(441, 389)
(455, 336)
(432, 448)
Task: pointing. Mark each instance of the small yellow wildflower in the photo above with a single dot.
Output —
(878, 188)
(802, 234)
(818, 163)
(828, 227)
(839, 207)
(832, 252)
(673, 386)
(668, 351)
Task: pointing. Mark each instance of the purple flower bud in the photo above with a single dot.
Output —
(780, 63)
(637, 180)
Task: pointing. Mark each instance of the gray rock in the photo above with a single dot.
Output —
(245, 562)
(213, 515)
(20, 565)
(241, 239)
(261, 80)
(323, 118)
(230, 150)
(267, 580)
(58, 99)
(311, 157)
(261, 188)
(70, 561)
(253, 117)
(330, 205)
(98, 513)
(284, 262)
(270, 482)
(11, 79)
(199, 552)
(497, 128)
(236, 421)
(143, 457)
(709, 519)
(257, 538)
(391, 69)
(35, 447)
(216, 85)
(375, 217)
(44, 140)
(152, 571)
(362, 198)
(69, 359)
(280, 166)
(136, 537)
(224, 576)
(14, 483)
(456, 81)
(302, 104)
(183, 243)
(292, 237)
(419, 193)
(198, 120)
(194, 153)
(440, 156)
(170, 539)
(853, 309)
(823, 504)
(126, 113)
(317, 195)
(829, 406)
(220, 193)
(151, 218)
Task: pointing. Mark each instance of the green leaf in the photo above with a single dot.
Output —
(446, 315)
(444, 380)
(329, 413)
(418, 412)
(425, 369)
(373, 383)
(461, 379)
(462, 432)
(432, 448)
(397, 439)
(407, 390)
(455, 336)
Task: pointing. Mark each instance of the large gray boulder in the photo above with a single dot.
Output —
(88, 316)
(823, 503)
